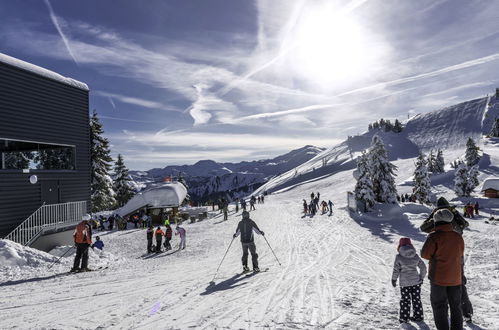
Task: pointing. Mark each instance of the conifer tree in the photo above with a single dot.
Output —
(463, 182)
(439, 162)
(102, 184)
(422, 183)
(121, 184)
(397, 127)
(431, 162)
(494, 132)
(473, 178)
(364, 186)
(471, 157)
(382, 172)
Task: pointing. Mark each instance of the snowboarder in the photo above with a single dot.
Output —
(98, 243)
(149, 234)
(444, 248)
(180, 231)
(245, 228)
(168, 237)
(159, 238)
(405, 267)
(330, 207)
(83, 239)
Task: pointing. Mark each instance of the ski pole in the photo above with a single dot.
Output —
(61, 257)
(272, 250)
(222, 260)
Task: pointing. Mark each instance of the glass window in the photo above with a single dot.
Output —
(19, 155)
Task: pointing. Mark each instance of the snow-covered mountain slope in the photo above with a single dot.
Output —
(446, 129)
(206, 178)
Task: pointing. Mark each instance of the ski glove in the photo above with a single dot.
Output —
(394, 283)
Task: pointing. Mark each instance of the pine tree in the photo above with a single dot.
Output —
(439, 162)
(461, 186)
(473, 179)
(382, 172)
(422, 183)
(102, 184)
(472, 157)
(431, 162)
(364, 186)
(494, 132)
(121, 184)
(397, 127)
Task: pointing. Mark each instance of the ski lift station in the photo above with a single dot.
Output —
(44, 151)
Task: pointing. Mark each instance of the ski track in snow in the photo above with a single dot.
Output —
(335, 274)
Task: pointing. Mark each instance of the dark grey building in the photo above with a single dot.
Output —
(44, 136)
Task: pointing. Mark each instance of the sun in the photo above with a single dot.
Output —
(329, 47)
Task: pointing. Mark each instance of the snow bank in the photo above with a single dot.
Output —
(41, 71)
(16, 255)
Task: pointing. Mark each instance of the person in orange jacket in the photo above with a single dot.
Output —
(444, 248)
(159, 238)
(83, 239)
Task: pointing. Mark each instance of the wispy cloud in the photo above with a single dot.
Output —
(112, 102)
(135, 101)
(55, 21)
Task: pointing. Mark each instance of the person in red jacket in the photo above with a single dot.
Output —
(444, 248)
(159, 238)
(83, 239)
(168, 237)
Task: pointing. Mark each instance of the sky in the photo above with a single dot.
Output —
(178, 81)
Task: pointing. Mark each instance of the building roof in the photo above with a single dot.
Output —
(12, 61)
(165, 195)
(492, 183)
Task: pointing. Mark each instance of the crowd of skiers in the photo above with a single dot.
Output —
(314, 206)
(444, 248)
(158, 235)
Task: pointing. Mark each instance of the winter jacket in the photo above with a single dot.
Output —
(444, 248)
(168, 232)
(245, 228)
(83, 233)
(180, 231)
(149, 233)
(98, 244)
(406, 267)
(159, 234)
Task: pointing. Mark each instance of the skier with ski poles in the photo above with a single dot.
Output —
(245, 228)
(83, 239)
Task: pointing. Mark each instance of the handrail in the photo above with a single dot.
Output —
(47, 217)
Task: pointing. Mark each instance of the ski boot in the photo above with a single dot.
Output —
(245, 269)
(74, 270)
(256, 270)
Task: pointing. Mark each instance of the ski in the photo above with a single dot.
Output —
(87, 271)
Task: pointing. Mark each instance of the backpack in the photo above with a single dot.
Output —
(81, 234)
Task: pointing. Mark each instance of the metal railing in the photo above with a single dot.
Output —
(47, 217)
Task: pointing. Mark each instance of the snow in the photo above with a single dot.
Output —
(41, 71)
(492, 183)
(335, 273)
(163, 195)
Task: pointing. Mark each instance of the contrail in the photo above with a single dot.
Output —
(58, 28)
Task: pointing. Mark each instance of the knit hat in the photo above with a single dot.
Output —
(443, 215)
(245, 215)
(404, 241)
(442, 203)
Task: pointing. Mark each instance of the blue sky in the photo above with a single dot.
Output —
(177, 81)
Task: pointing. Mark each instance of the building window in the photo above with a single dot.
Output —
(20, 155)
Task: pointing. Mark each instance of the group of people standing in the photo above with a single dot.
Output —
(312, 207)
(158, 235)
(444, 249)
(470, 209)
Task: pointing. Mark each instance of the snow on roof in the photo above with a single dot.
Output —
(166, 195)
(41, 71)
(491, 184)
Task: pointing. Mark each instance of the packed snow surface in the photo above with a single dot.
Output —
(41, 71)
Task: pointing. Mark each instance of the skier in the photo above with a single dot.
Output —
(406, 263)
(237, 205)
(476, 208)
(83, 239)
(305, 207)
(330, 207)
(263, 199)
(245, 228)
(159, 238)
(444, 248)
(226, 210)
(312, 195)
(252, 204)
(180, 231)
(324, 207)
(243, 204)
(168, 237)
(149, 234)
(98, 243)
(110, 221)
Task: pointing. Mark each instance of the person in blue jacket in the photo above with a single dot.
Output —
(98, 243)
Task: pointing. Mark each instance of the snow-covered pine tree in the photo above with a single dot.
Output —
(364, 186)
(121, 184)
(422, 183)
(439, 162)
(382, 172)
(102, 183)
(473, 179)
(471, 156)
(431, 162)
(397, 127)
(494, 132)
(461, 181)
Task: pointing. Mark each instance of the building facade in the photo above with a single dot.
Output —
(44, 141)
